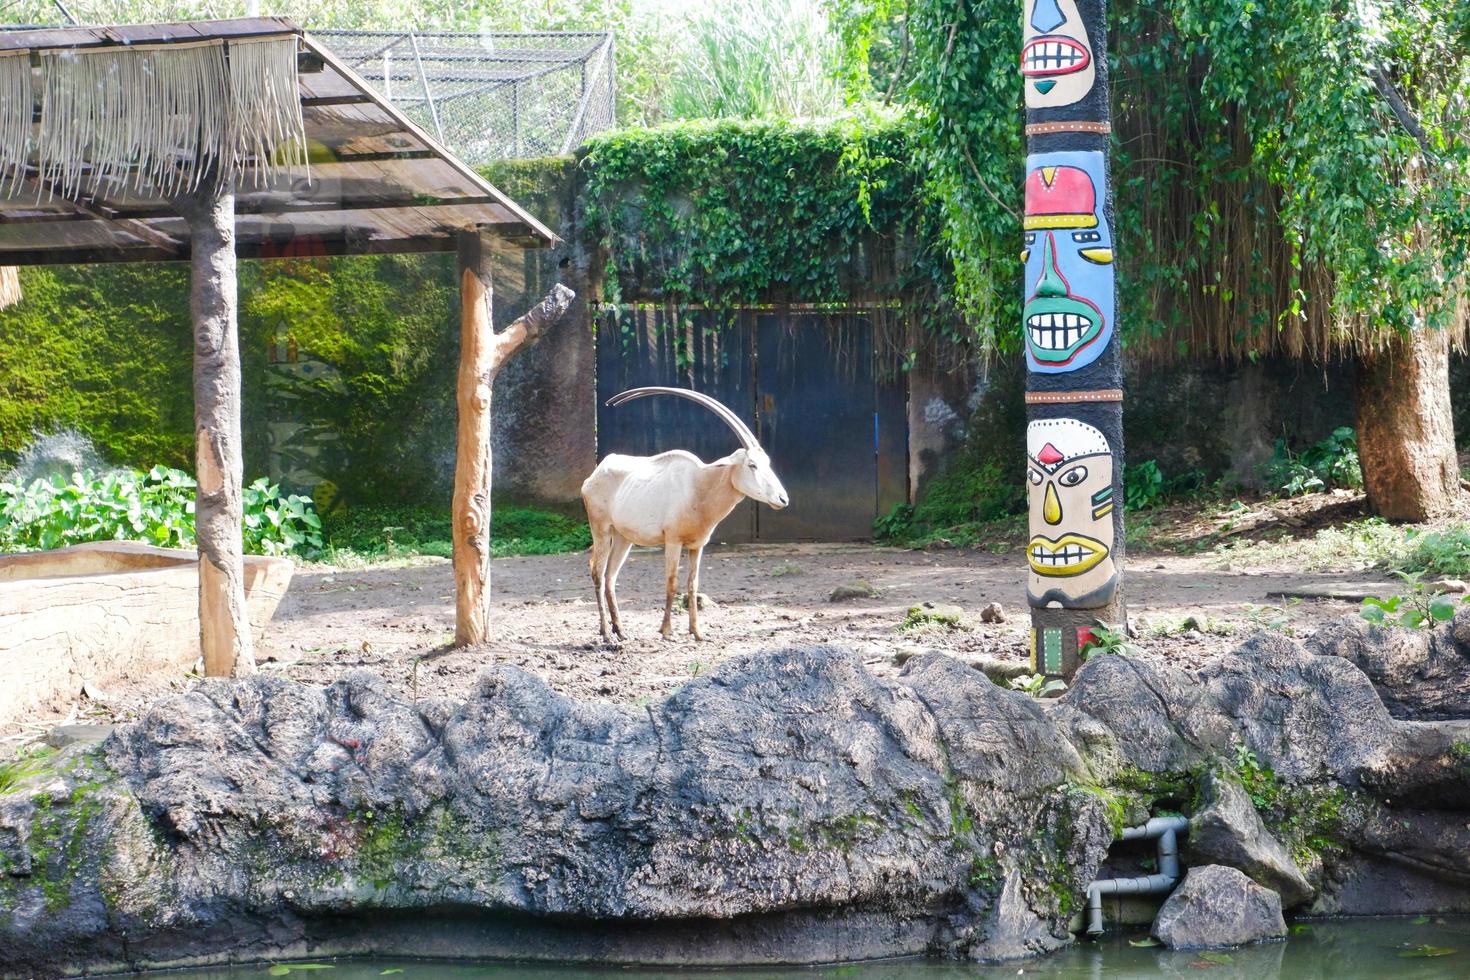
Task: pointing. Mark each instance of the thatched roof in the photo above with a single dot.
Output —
(101, 128)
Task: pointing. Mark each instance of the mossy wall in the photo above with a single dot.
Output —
(348, 363)
(106, 349)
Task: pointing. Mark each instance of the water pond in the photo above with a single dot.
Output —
(1419, 948)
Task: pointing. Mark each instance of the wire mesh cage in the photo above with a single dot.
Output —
(490, 96)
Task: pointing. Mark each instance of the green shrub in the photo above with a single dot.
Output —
(1143, 484)
(401, 532)
(1330, 463)
(156, 507)
(527, 531)
(1442, 552)
(965, 494)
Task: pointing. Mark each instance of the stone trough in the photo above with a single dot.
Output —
(105, 613)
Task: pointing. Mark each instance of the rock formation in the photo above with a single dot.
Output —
(1421, 675)
(786, 807)
(1218, 906)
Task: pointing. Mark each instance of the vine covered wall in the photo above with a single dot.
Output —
(348, 363)
(738, 213)
(1290, 177)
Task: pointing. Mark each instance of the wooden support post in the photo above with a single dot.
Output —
(482, 353)
(224, 627)
(471, 513)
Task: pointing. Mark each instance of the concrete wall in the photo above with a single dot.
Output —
(1221, 419)
(544, 402)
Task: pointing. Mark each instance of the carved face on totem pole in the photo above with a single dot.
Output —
(1068, 315)
(1056, 57)
(1069, 474)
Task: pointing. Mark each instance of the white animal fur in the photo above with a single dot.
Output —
(672, 499)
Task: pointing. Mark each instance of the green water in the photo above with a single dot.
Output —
(1342, 949)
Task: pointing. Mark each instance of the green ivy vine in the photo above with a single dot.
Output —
(739, 213)
(1291, 175)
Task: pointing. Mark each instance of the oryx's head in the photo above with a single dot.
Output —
(753, 475)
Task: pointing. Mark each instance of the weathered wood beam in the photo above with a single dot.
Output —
(224, 623)
(471, 503)
(269, 206)
(312, 101)
(85, 209)
(251, 249)
(482, 353)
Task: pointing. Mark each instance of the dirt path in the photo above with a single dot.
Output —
(546, 622)
(397, 621)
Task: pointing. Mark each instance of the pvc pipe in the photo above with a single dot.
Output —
(1166, 831)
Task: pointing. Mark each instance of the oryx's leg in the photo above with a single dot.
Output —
(620, 548)
(671, 585)
(601, 546)
(695, 554)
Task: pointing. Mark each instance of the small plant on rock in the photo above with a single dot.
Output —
(1273, 618)
(1037, 685)
(1108, 639)
(1419, 608)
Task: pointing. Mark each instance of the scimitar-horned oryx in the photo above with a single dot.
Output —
(673, 499)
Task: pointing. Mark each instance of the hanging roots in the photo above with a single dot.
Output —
(157, 118)
(9, 286)
(16, 108)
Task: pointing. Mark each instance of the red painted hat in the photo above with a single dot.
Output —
(1060, 197)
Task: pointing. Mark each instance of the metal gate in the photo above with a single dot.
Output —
(808, 384)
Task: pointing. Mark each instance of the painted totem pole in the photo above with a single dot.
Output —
(1074, 411)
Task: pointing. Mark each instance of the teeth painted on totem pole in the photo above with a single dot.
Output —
(1072, 554)
(1053, 56)
(1057, 331)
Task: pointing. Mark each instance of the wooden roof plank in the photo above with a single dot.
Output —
(391, 187)
(332, 60)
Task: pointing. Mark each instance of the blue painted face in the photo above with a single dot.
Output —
(1068, 317)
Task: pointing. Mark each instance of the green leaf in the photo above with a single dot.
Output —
(1145, 942)
(1422, 920)
(1211, 956)
(1442, 607)
(1426, 951)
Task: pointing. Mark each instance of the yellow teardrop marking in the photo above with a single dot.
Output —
(1051, 509)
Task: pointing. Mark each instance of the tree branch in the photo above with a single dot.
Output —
(1401, 109)
(529, 327)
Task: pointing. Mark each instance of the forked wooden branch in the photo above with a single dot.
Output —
(482, 354)
(527, 329)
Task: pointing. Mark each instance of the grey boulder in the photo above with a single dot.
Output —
(787, 807)
(1227, 830)
(1422, 675)
(1218, 906)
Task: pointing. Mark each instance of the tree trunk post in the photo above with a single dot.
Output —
(1406, 430)
(224, 626)
(471, 513)
(1074, 410)
(482, 353)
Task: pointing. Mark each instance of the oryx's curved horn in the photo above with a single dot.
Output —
(747, 438)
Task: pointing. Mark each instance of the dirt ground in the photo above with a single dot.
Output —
(397, 621)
